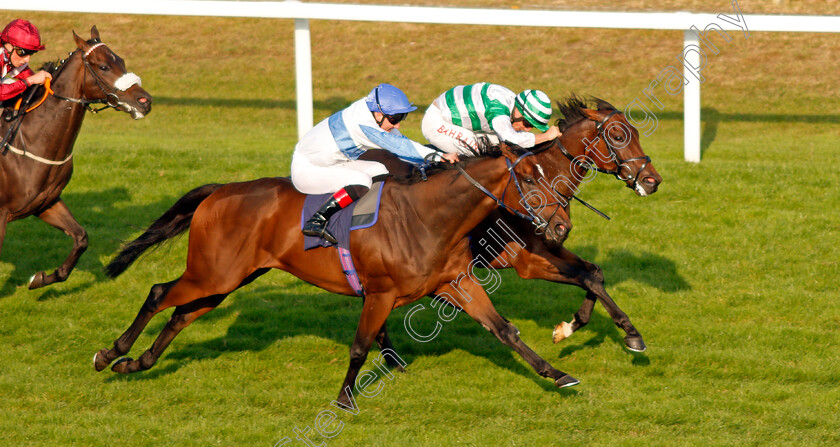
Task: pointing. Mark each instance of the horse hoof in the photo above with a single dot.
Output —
(635, 344)
(121, 366)
(99, 360)
(36, 281)
(566, 381)
(561, 332)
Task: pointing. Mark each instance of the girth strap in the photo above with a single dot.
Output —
(350, 271)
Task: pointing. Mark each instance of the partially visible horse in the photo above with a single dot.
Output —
(36, 161)
(418, 247)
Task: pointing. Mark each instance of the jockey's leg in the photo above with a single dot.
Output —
(317, 225)
(446, 136)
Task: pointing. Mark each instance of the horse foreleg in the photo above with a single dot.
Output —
(182, 317)
(59, 216)
(481, 310)
(4, 216)
(374, 313)
(567, 268)
(384, 342)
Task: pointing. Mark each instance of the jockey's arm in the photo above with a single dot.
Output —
(408, 150)
(505, 131)
(38, 78)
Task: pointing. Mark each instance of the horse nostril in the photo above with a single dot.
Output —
(561, 230)
(650, 179)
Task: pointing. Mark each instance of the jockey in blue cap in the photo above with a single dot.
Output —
(325, 159)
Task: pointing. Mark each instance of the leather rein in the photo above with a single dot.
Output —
(532, 215)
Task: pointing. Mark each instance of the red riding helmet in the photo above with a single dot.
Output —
(22, 34)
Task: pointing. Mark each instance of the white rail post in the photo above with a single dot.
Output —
(691, 99)
(303, 76)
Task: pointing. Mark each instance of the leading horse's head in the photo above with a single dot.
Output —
(530, 183)
(107, 80)
(601, 139)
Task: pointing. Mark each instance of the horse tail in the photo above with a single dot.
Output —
(172, 223)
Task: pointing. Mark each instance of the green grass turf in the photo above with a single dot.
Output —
(729, 271)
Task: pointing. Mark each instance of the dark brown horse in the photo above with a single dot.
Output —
(36, 162)
(597, 139)
(239, 231)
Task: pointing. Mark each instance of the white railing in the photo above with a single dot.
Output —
(690, 23)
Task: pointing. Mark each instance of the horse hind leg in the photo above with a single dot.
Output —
(177, 293)
(59, 216)
(122, 345)
(182, 317)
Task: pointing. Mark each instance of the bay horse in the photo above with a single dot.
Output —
(36, 161)
(239, 231)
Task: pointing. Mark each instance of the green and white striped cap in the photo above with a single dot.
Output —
(535, 106)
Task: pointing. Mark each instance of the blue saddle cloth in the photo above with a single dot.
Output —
(362, 213)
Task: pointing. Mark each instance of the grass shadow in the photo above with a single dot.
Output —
(267, 315)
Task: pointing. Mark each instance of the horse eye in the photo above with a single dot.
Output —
(528, 180)
(104, 67)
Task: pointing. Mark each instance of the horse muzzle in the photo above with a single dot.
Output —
(556, 233)
(645, 185)
(135, 101)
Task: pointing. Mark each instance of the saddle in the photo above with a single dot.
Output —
(362, 213)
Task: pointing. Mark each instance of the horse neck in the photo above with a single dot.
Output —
(453, 206)
(571, 174)
(51, 129)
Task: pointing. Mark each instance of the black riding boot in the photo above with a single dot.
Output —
(316, 226)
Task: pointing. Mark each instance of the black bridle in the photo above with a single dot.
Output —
(17, 116)
(613, 152)
(532, 216)
(103, 86)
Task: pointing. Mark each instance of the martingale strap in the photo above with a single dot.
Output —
(350, 271)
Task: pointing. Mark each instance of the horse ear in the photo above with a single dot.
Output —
(80, 43)
(591, 114)
(511, 151)
(94, 33)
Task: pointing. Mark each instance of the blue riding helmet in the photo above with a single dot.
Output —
(388, 100)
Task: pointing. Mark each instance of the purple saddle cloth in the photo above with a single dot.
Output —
(362, 213)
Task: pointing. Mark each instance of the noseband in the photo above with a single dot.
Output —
(599, 127)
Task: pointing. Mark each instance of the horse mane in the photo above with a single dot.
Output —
(50, 67)
(484, 150)
(572, 107)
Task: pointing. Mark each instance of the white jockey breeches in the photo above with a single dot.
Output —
(449, 137)
(310, 178)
